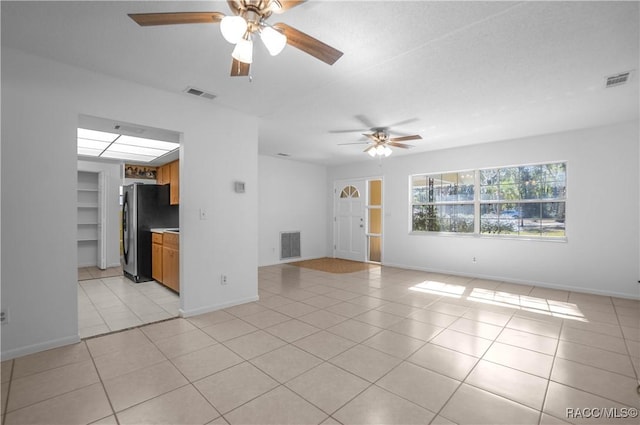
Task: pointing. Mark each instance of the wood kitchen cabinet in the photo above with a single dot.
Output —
(156, 257)
(170, 174)
(171, 260)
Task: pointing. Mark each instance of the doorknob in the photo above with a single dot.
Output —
(362, 225)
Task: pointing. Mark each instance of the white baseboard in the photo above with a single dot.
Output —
(36, 348)
(210, 308)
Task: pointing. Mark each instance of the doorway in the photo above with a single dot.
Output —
(358, 220)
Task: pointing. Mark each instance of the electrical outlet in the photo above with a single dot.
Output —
(223, 279)
(4, 316)
(473, 260)
(203, 214)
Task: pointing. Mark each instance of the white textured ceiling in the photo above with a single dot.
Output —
(460, 72)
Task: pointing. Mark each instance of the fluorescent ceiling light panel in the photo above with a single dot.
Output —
(116, 146)
(127, 156)
(147, 143)
(83, 133)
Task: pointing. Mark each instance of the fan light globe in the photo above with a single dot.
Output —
(233, 28)
(273, 40)
(371, 152)
(380, 150)
(243, 52)
(387, 151)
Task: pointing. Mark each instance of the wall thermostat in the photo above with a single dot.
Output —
(239, 187)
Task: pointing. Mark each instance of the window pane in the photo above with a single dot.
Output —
(493, 222)
(375, 192)
(419, 189)
(419, 218)
(375, 220)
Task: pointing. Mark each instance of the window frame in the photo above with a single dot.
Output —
(478, 202)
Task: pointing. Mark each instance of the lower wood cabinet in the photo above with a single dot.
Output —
(171, 261)
(156, 256)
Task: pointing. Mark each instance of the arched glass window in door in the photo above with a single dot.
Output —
(349, 192)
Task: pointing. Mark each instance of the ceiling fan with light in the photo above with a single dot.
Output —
(249, 19)
(380, 142)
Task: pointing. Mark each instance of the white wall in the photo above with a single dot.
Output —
(41, 102)
(292, 197)
(602, 249)
(112, 181)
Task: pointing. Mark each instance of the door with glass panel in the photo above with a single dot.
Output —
(349, 220)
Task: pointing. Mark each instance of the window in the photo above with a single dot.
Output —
(524, 201)
(349, 192)
(443, 202)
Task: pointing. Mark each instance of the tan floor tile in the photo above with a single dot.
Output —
(354, 330)
(143, 384)
(235, 386)
(158, 331)
(321, 301)
(277, 407)
(265, 318)
(327, 386)
(342, 295)
(464, 343)
(324, 344)
(514, 288)
(522, 359)
(330, 421)
(448, 308)
(470, 405)
(322, 319)
(444, 361)
(286, 363)
(348, 309)
(509, 383)
(254, 344)
(116, 342)
(245, 309)
(369, 302)
(560, 398)
(479, 329)
(434, 318)
(4, 393)
(601, 328)
(292, 330)
(593, 339)
(593, 315)
(295, 309)
(297, 294)
(229, 329)
(92, 331)
(632, 334)
(398, 309)
(184, 405)
(394, 344)
(365, 362)
(211, 318)
(632, 322)
(51, 383)
(184, 343)
(546, 419)
(421, 386)
(5, 372)
(82, 406)
(274, 301)
(205, 362)
(486, 316)
(597, 381)
(120, 362)
(378, 318)
(539, 343)
(596, 357)
(551, 330)
(109, 420)
(415, 329)
(377, 406)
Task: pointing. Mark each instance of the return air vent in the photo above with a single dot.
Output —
(618, 79)
(289, 245)
(200, 93)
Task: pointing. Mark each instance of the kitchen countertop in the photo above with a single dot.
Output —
(167, 229)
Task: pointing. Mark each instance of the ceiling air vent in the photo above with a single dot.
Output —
(200, 93)
(618, 79)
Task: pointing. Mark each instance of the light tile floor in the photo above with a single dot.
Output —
(386, 346)
(107, 302)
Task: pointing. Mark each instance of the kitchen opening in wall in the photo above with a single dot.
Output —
(522, 201)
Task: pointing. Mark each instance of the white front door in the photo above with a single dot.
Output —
(349, 231)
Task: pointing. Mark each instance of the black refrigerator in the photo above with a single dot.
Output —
(144, 207)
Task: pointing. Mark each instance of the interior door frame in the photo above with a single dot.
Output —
(338, 185)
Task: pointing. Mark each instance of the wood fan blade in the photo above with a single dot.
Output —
(150, 19)
(372, 137)
(400, 145)
(286, 5)
(239, 69)
(404, 138)
(308, 44)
